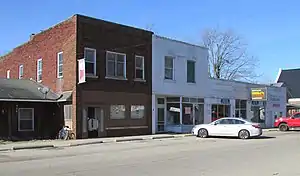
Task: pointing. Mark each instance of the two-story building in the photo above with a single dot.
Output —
(183, 94)
(180, 78)
(116, 97)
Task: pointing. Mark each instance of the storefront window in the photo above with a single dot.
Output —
(187, 115)
(173, 113)
(199, 114)
(258, 114)
(241, 108)
(220, 111)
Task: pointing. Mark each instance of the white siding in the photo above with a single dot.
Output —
(182, 52)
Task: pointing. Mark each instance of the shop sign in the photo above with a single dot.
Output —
(225, 101)
(258, 94)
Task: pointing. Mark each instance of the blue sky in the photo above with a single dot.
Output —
(270, 27)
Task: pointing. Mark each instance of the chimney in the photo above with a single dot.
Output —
(32, 36)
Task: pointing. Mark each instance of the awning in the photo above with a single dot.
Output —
(293, 106)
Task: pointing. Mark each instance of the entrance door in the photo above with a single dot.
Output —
(160, 119)
(99, 113)
(95, 122)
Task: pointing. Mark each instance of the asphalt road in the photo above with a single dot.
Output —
(278, 154)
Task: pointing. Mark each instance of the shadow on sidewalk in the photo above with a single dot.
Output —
(252, 138)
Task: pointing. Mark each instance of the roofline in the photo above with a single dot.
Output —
(278, 75)
(35, 34)
(178, 41)
(219, 79)
(124, 25)
(28, 100)
(287, 69)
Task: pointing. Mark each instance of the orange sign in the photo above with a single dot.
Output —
(258, 94)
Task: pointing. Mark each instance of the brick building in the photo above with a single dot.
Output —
(116, 97)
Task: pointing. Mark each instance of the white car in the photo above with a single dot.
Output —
(228, 126)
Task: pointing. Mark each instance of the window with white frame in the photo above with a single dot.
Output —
(115, 65)
(26, 119)
(39, 70)
(60, 65)
(169, 67)
(139, 67)
(117, 111)
(90, 61)
(21, 71)
(7, 74)
(137, 111)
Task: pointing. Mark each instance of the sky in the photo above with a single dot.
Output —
(270, 27)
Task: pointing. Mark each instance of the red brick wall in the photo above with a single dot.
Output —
(46, 45)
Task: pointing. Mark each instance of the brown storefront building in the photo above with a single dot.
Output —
(115, 100)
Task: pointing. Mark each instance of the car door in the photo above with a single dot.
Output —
(235, 126)
(296, 120)
(219, 128)
(231, 126)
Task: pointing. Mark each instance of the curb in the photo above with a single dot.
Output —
(188, 135)
(32, 147)
(162, 137)
(95, 142)
(127, 140)
(270, 130)
(85, 143)
(5, 149)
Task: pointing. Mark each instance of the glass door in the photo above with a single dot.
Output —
(160, 119)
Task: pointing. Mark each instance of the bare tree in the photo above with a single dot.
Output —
(228, 57)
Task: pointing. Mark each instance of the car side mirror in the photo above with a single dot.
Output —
(292, 117)
(215, 124)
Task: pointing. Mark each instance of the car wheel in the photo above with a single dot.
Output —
(244, 134)
(203, 133)
(283, 127)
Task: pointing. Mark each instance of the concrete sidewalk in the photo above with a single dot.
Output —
(36, 144)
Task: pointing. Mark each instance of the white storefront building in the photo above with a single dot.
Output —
(183, 95)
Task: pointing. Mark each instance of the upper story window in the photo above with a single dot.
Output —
(8, 74)
(21, 71)
(90, 61)
(60, 65)
(190, 69)
(115, 65)
(39, 70)
(139, 67)
(169, 67)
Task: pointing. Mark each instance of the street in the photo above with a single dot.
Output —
(275, 153)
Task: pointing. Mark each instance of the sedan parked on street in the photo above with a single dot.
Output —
(228, 126)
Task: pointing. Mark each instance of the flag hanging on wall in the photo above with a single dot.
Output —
(81, 71)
